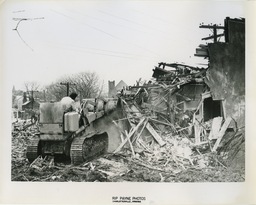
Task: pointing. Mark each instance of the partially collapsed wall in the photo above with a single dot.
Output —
(226, 73)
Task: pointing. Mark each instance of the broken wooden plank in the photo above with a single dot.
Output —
(129, 141)
(197, 133)
(122, 137)
(155, 108)
(184, 128)
(163, 123)
(151, 129)
(155, 135)
(215, 128)
(138, 135)
(221, 133)
(129, 136)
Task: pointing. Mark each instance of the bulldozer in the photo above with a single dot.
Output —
(70, 133)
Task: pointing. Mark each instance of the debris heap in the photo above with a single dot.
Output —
(175, 124)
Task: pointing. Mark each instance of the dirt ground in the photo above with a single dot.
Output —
(121, 167)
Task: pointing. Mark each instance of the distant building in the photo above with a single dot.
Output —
(113, 90)
(17, 102)
(17, 110)
(121, 85)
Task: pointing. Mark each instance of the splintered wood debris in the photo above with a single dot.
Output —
(179, 130)
(169, 147)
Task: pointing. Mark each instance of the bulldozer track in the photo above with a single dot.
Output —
(86, 147)
(33, 150)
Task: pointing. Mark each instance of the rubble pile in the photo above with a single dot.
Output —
(171, 137)
(22, 132)
(158, 146)
(144, 159)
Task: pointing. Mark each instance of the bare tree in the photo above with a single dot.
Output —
(85, 84)
(55, 91)
(31, 88)
(31, 85)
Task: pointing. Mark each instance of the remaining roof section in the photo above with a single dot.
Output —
(157, 72)
(177, 72)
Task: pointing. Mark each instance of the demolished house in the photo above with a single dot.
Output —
(201, 109)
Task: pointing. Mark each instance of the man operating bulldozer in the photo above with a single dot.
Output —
(69, 104)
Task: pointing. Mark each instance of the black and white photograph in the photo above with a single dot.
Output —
(110, 93)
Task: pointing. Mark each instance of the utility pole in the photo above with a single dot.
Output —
(215, 35)
(67, 84)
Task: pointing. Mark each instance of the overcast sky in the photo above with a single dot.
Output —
(119, 40)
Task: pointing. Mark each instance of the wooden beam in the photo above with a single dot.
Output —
(129, 136)
(197, 133)
(201, 55)
(129, 141)
(212, 26)
(221, 133)
(138, 135)
(213, 36)
(155, 135)
(151, 129)
(215, 128)
(160, 122)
